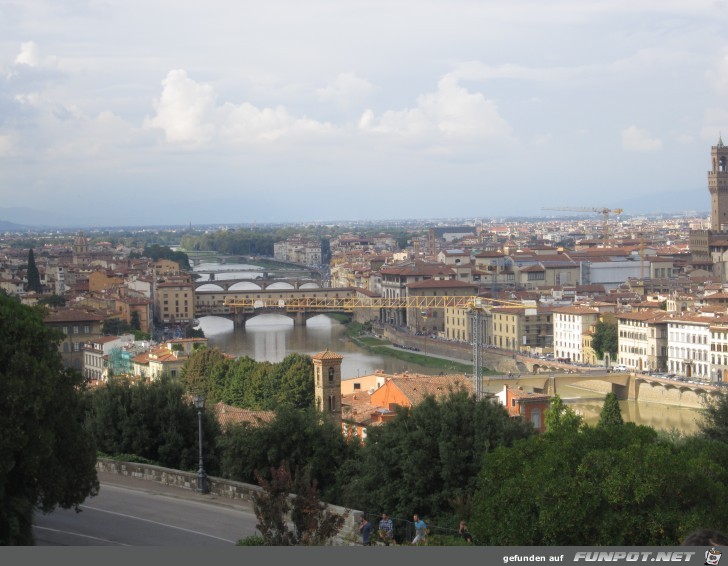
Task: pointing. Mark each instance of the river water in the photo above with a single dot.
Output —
(272, 337)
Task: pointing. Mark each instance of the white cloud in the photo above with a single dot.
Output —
(636, 139)
(29, 55)
(188, 112)
(450, 114)
(184, 110)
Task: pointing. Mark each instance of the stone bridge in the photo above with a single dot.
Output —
(285, 302)
(631, 386)
(260, 282)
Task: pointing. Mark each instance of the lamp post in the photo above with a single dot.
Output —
(201, 475)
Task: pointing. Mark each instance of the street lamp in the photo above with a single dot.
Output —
(201, 475)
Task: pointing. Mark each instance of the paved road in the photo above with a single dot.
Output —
(133, 512)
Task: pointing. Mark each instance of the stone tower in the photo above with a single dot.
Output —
(81, 256)
(327, 383)
(718, 187)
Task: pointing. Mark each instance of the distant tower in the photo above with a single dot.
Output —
(81, 256)
(80, 244)
(718, 187)
(327, 383)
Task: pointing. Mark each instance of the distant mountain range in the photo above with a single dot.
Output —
(691, 202)
(21, 218)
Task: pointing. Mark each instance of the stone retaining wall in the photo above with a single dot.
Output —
(218, 486)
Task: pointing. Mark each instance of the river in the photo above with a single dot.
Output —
(272, 337)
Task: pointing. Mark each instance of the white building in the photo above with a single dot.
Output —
(570, 324)
(689, 346)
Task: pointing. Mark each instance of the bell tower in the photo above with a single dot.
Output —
(718, 187)
(327, 383)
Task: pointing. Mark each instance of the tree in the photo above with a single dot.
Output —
(136, 323)
(714, 424)
(153, 421)
(608, 486)
(559, 417)
(611, 414)
(33, 274)
(47, 459)
(205, 373)
(314, 523)
(428, 458)
(604, 340)
(303, 439)
(52, 301)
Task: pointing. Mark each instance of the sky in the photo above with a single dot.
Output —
(178, 111)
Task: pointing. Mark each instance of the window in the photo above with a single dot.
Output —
(65, 330)
(331, 375)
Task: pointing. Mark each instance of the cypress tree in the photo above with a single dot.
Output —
(33, 274)
(611, 414)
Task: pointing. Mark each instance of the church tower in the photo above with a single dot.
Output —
(327, 383)
(718, 187)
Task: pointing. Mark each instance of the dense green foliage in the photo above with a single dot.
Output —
(299, 438)
(52, 301)
(611, 414)
(427, 460)
(157, 252)
(243, 382)
(714, 424)
(243, 241)
(47, 459)
(608, 485)
(605, 340)
(33, 274)
(153, 421)
(559, 417)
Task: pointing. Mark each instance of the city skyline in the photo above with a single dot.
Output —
(131, 114)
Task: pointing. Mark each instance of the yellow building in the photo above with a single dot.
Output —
(174, 302)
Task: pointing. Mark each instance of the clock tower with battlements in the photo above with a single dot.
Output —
(718, 187)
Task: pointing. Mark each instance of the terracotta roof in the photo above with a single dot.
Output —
(228, 415)
(327, 355)
(73, 315)
(417, 387)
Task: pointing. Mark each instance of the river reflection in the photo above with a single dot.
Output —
(272, 337)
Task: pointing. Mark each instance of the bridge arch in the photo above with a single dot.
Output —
(245, 286)
(210, 287)
(309, 286)
(279, 285)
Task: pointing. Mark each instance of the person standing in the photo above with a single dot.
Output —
(386, 529)
(420, 529)
(464, 533)
(365, 528)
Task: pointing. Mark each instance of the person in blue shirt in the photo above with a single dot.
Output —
(420, 529)
(366, 528)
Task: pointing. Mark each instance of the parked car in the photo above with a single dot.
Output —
(620, 367)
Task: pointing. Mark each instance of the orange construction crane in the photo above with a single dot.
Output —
(605, 212)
